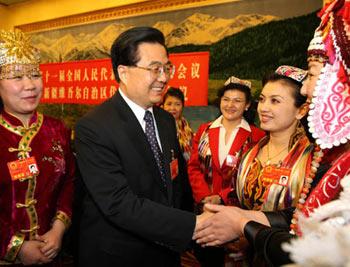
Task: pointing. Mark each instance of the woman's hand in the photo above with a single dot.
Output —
(214, 199)
(52, 239)
(30, 253)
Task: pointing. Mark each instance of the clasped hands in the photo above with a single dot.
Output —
(43, 249)
(219, 224)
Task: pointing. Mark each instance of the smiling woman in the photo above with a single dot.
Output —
(284, 152)
(216, 152)
(36, 164)
(272, 173)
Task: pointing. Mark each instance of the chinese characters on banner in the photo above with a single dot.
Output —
(92, 81)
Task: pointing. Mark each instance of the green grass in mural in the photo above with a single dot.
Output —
(253, 52)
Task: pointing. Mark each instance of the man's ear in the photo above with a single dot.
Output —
(122, 72)
(303, 110)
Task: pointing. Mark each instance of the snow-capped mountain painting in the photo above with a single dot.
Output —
(245, 38)
(202, 25)
(198, 29)
(202, 29)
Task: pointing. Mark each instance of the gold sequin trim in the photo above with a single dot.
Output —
(23, 149)
(31, 230)
(62, 216)
(14, 247)
(30, 203)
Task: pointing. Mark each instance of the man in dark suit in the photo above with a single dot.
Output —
(129, 215)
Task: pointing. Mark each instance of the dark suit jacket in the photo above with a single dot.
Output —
(127, 217)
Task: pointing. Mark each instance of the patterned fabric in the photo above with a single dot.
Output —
(152, 140)
(29, 206)
(292, 72)
(205, 154)
(329, 187)
(236, 80)
(330, 106)
(205, 157)
(207, 176)
(329, 110)
(257, 193)
(185, 135)
(317, 50)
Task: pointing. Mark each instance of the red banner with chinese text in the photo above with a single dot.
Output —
(92, 81)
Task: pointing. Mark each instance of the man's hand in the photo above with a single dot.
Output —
(225, 225)
(31, 254)
(201, 218)
(52, 239)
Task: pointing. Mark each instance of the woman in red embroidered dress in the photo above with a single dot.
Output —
(36, 163)
(328, 90)
(218, 145)
(272, 174)
(217, 150)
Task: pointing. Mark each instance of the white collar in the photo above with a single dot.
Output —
(243, 124)
(136, 109)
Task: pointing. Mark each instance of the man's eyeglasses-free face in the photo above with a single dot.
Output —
(159, 70)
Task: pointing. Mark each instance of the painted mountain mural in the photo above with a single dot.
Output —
(246, 46)
(254, 51)
(197, 29)
(202, 29)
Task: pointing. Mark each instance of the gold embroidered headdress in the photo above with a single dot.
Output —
(17, 56)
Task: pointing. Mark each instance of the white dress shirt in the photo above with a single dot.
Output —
(140, 114)
(224, 149)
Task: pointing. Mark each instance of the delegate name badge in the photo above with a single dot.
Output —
(23, 168)
(174, 168)
(276, 175)
(231, 160)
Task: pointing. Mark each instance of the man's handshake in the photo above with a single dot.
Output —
(219, 224)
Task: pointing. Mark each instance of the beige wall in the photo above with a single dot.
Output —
(41, 10)
(4, 17)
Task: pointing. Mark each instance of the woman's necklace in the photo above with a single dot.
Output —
(317, 157)
(268, 161)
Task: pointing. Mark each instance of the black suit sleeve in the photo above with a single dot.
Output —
(182, 188)
(102, 165)
(280, 219)
(267, 241)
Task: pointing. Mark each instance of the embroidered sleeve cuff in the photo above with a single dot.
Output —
(62, 216)
(14, 247)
